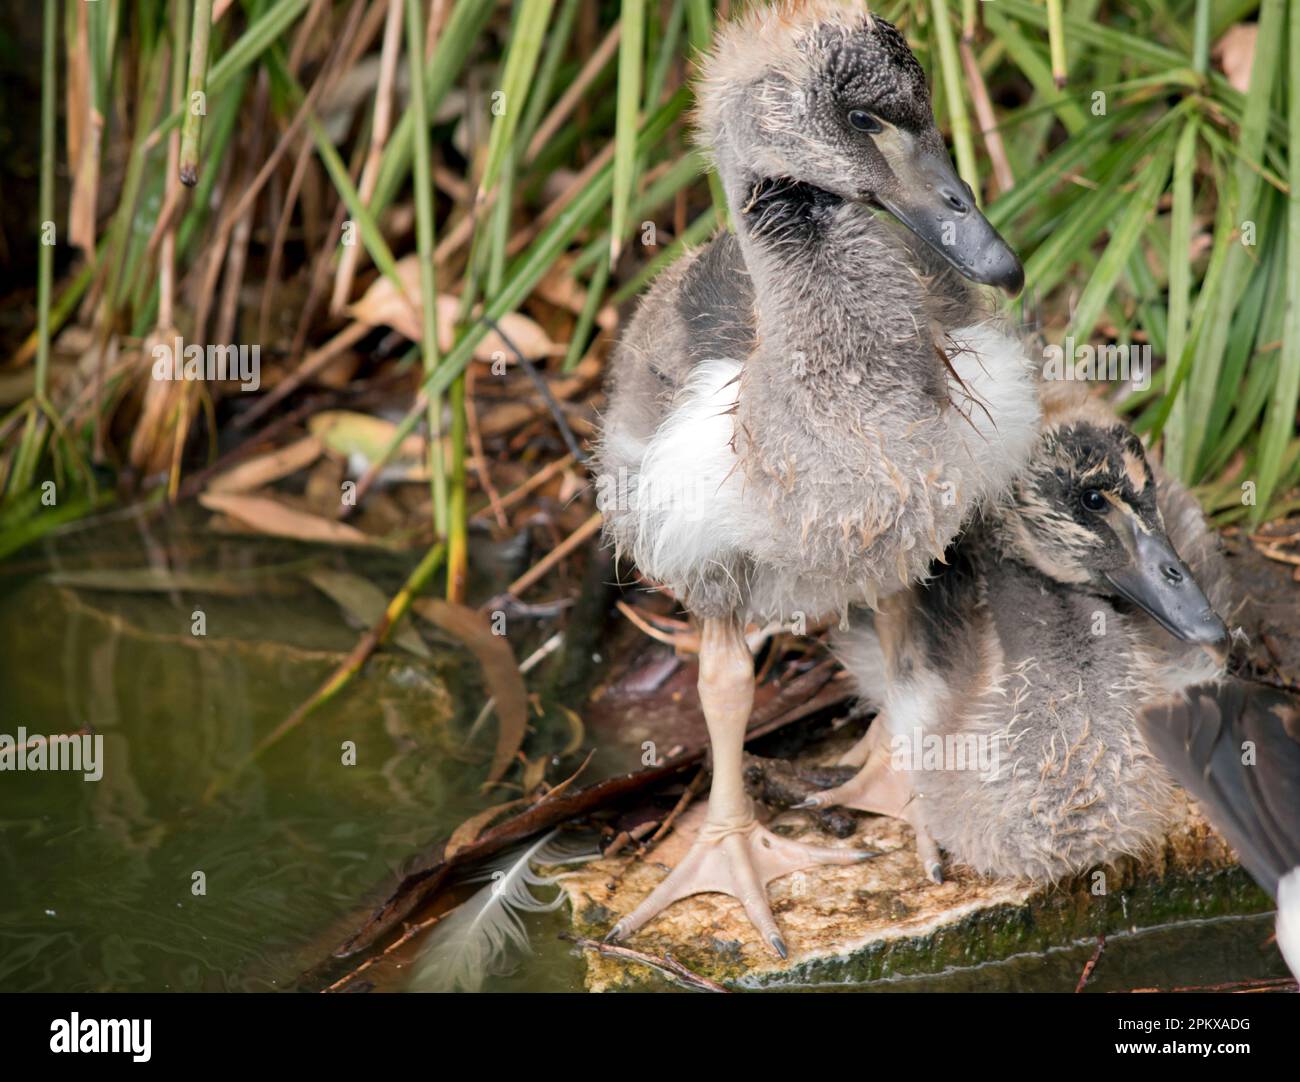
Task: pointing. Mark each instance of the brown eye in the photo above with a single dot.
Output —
(864, 121)
(1093, 500)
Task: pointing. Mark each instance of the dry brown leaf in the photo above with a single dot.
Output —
(383, 305)
(500, 672)
(559, 288)
(323, 494)
(153, 438)
(535, 772)
(263, 469)
(347, 433)
(471, 828)
(272, 517)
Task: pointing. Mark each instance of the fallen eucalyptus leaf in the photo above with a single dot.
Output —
(272, 517)
(263, 469)
(383, 305)
(500, 672)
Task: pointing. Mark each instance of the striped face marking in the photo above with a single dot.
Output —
(1087, 493)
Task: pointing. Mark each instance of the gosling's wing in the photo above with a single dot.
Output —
(1235, 746)
(699, 309)
(716, 304)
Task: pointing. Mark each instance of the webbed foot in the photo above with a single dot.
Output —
(740, 862)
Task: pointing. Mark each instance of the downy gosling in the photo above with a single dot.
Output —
(802, 414)
(1010, 684)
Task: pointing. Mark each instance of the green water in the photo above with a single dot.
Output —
(97, 877)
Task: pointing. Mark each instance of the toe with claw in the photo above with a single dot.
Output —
(740, 862)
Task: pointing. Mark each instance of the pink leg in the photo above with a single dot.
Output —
(881, 790)
(733, 853)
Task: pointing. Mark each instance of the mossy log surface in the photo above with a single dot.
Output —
(884, 918)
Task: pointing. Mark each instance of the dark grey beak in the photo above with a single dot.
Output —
(938, 206)
(1160, 583)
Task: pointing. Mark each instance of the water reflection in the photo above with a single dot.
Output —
(99, 878)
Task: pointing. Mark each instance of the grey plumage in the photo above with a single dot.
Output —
(1236, 747)
(852, 453)
(1019, 649)
(802, 414)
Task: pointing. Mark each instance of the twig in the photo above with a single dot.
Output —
(1262, 984)
(1091, 964)
(242, 228)
(379, 131)
(412, 930)
(544, 391)
(536, 481)
(562, 550)
(987, 119)
(692, 790)
(306, 153)
(626, 838)
(314, 362)
(573, 95)
(667, 964)
(477, 454)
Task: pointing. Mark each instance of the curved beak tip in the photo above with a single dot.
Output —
(1001, 268)
(1212, 631)
(1162, 585)
(1013, 281)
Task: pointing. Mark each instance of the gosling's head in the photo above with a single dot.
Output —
(824, 95)
(1084, 513)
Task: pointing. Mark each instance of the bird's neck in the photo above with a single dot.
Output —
(836, 293)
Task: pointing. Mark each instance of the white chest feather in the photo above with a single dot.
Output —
(998, 396)
(696, 515)
(689, 497)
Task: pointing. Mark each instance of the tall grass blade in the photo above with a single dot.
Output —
(509, 100)
(631, 55)
(1280, 420)
(1203, 385)
(196, 92)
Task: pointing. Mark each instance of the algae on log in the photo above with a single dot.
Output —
(883, 917)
